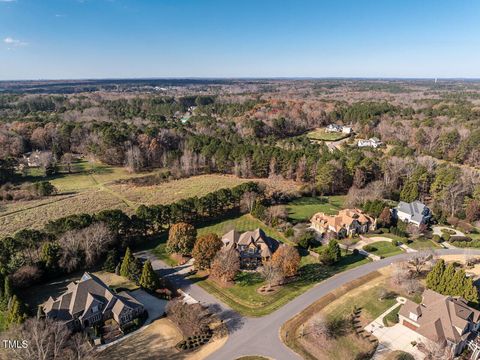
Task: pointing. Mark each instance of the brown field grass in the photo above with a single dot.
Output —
(157, 341)
(93, 190)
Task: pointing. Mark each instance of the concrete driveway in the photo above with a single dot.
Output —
(397, 337)
(154, 305)
(437, 230)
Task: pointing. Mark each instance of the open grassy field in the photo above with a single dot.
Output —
(322, 135)
(304, 208)
(244, 297)
(90, 188)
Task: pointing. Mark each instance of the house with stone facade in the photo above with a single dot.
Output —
(89, 302)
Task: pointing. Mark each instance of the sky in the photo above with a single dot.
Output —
(80, 39)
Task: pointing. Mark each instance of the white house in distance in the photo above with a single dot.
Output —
(415, 212)
(372, 142)
(338, 128)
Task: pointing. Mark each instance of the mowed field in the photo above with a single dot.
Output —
(91, 188)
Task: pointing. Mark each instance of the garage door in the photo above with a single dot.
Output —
(409, 325)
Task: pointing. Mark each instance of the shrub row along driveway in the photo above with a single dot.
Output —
(261, 336)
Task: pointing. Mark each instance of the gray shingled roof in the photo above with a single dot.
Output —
(415, 209)
(88, 292)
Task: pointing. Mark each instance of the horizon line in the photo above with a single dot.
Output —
(246, 78)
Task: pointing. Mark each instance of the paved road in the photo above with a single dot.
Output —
(260, 336)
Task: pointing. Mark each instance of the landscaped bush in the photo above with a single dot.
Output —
(370, 248)
(448, 231)
(437, 238)
(404, 356)
(467, 242)
(398, 232)
(194, 341)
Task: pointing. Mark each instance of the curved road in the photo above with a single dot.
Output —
(261, 336)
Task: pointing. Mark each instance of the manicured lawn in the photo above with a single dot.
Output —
(385, 249)
(321, 134)
(371, 306)
(244, 298)
(423, 244)
(304, 208)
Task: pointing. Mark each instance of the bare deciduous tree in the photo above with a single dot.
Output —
(272, 273)
(87, 244)
(47, 340)
(247, 202)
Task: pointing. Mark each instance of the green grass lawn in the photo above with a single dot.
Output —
(244, 298)
(423, 244)
(321, 134)
(371, 306)
(304, 208)
(385, 249)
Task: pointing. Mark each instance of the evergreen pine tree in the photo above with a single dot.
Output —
(149, 279)
(434, 277)
(332, 253)
(111, 262)
(458, 284)
(470, 292)
(15, 314)
(446, 279)
(135, 270)
(7, 293)
(128, 259)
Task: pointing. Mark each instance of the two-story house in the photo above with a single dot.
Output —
(89, 302)
(442, 319)
(348, 222)
(415, 212)
(254, 247)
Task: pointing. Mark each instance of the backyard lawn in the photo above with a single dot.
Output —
(304, 208)
(322, 135)
(244, 297)
(242, 223)
(383, 249)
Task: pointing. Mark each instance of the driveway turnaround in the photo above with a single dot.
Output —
(261, 336)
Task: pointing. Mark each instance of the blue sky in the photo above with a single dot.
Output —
(59, 39)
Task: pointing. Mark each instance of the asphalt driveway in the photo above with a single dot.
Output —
(154, 305)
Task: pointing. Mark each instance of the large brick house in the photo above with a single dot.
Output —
(348, 222)
(89, 302)
(442, 319)
(254, 247)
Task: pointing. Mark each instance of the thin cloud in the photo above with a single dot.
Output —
(6, 1)
(14, 42)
